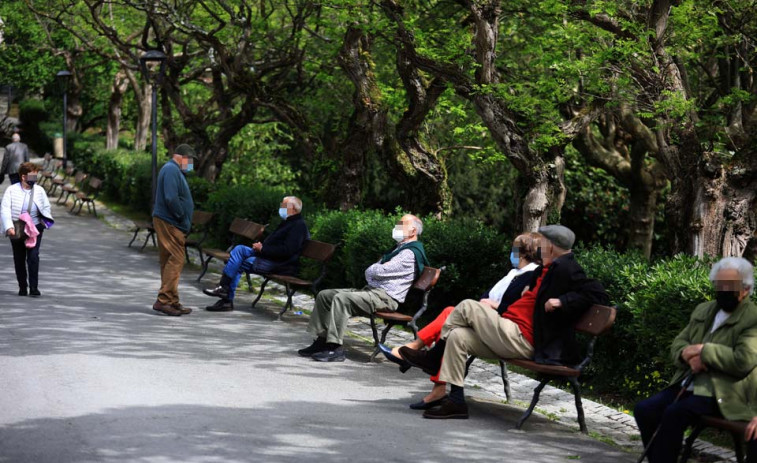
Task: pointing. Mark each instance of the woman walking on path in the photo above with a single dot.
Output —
(27, 202)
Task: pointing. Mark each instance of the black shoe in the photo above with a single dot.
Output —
(404, 366)
(427, 360)
(22, 291)
(34, 292)
(319, 345)
(448, 410)
(222, 305)
(330, 355)
(218, 291)
(421, 405)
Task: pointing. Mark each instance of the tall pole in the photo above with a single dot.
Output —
(65, 128)
(154, 144)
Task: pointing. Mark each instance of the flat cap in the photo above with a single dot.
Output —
(185, 150)
(561, 236)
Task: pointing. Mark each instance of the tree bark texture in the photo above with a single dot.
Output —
(120, 84)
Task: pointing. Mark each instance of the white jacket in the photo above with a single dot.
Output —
(15, 195)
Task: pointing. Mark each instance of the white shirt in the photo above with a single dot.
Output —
(498, 290)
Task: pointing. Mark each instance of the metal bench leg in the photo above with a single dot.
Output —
(249, 283)
(505, 379)
(468, 364)
(205, 263)
(62, 192)
(135, 236)
(389, 325)
(260, 293)
(73, 206)
(579, 406)
(81, 204)
(147, 238)
(689, 442)
(531, 407)
(376, 349)
(290, 292)
(94, 209)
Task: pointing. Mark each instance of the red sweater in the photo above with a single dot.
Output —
(521, 312)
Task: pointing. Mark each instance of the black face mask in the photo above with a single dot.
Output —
(727, 300)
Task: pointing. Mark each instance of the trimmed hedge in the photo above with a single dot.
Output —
(654, 300)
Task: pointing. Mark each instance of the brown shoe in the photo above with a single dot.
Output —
(448, 410)
(166, 309)
(182, 309)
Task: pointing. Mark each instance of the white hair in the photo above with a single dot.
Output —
(745, 269)
(16, 137)
(295, 202)
(417, 224)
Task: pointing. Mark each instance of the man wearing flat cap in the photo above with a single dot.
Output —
(538, 326)
(172, 219)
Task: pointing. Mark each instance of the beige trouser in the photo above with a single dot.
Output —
(475, 329)
(334, 307)
(171, 247)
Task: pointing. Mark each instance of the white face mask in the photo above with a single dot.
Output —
(397, 234)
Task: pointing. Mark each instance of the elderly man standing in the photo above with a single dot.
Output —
(717, 349)
(16, 153)
(172, 219)
(388, 280)
(279, 253)
(539, 325)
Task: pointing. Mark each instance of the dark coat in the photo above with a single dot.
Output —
(554, 336)
(515, 289)
(282, 248)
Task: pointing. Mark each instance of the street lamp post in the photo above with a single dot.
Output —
(153, 66)
(64, 77)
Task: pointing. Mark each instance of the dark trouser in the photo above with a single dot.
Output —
(751, 451)
(14, 178)
(23, 257)
(675, 418)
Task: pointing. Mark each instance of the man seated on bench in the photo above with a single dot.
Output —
(537, 326)
(389, 281)
(719, 348)
(279, 253)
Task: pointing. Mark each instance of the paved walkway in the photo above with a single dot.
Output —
(91, 373)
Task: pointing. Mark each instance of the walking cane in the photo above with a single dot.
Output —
(684, 385)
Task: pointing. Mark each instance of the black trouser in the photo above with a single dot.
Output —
(751, 451)
(23, 257)
(675, 418)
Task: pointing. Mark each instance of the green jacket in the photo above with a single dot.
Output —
(730, 355)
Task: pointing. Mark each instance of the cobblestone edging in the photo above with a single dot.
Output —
(558, 405)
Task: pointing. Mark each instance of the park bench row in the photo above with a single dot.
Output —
(68, 182)
(595, 322)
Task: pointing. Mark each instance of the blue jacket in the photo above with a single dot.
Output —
(282, 248)
(173, 200)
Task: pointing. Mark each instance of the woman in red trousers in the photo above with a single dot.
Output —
(524, 260)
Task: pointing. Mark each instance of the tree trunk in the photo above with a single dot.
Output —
(544, 195)
(144, 114)
(120, 83)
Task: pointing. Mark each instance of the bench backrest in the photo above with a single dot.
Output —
(246, 229)
(79, 177)
(95, 184)
(318, 250)
(201, 218)
(597, 320)
(428, 279)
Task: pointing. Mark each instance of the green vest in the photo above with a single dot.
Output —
(420, 255)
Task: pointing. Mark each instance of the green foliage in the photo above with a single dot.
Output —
(126, 175)
(254, 157)
(33, 114)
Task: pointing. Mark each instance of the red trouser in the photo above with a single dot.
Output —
(430, 333)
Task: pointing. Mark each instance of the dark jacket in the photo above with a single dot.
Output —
(282, 248)
(554, 336)
(173, 200)
(515, 289)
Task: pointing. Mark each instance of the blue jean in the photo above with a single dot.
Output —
(241, 260)
(675, 418)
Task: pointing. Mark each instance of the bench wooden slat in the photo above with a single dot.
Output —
(396, 316)
(597, 320)
(555, 370)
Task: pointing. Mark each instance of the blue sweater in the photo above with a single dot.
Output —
(173, 200)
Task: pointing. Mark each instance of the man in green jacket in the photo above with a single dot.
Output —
(719, 349)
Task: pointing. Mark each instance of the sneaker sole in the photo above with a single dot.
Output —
(329, 359)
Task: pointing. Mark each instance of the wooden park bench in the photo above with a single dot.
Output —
(72, 188)
(146, 225)
(243, 232)
(200, 222)
(59, 182)
(317, 251)
(596, 321)
(416, 303)
(735, 428)
(88, 196)
(48, 174)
